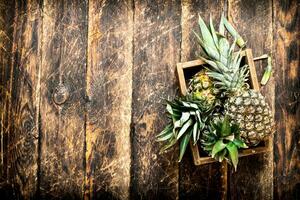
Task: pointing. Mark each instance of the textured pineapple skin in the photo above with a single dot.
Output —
(201, 87)
(251, 111)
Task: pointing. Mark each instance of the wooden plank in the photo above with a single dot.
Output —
(287, 139)
(157, 37)
(224, 179)
(62, 110)
(253, 20)
(7, 9)
(198, 182)
(109, 89)
(24, 101)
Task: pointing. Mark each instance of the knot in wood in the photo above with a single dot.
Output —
(61, 94)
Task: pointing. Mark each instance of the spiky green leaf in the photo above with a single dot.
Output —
(184, 128)
(213, 32)
(267, 73)
(224, 47)
(234, 33)
(195, 132)
(166, 130)
(206, 35)
(184, 117)
(169, 109)
(239, 143)
(183, 144)
(233, 153)
(221, 25)
(221, 155)
(219, 146)
(168, 145)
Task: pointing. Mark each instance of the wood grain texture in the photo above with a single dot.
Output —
(62, 110)
(81, 91)
(157, 37)
(253, 20)
(23, 133)
(7, 10)
(287, 139)
(198, 182)
(109, 90)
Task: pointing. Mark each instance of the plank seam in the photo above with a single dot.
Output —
(41, 5)
(132, 126)
(86, 100)
(180, 57)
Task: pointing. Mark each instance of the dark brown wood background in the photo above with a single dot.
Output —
(81, 93)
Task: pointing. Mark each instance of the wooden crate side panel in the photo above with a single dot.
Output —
(198, 182)
(157, 37)
(287, 82)
(253, 20)
(109, 90)
(62, 110)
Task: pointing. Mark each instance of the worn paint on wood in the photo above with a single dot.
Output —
(156, 51)
(62, 112)
(109, 90)
(287, 139)
(198, 182)
(254, 178)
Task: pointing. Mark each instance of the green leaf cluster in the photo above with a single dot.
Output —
(187, 120)
(225, 64)
(222, 141)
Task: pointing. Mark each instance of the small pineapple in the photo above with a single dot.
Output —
(245, 106)
(200, 81)
(201, 88)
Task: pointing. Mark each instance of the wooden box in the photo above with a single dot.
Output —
(186, 70)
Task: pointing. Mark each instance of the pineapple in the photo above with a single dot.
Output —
(201, 88)
(188, 114)
(246, 107)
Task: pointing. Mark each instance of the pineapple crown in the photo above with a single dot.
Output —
(220, 56)
(187, 120)
(222, 140)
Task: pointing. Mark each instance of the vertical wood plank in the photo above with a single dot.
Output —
(198, 182)
(109, 90)
(7, 9)
(24, 100)
(157, 38)
(253, 20)
(287, 139)
(62, 110)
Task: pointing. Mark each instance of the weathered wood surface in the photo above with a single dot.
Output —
(7, 9)
(254, 178)
(109, 90)
(82, 84)
(198, 182)
(157, 36)
(22, 150)
(62, 113)
(287, 139)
